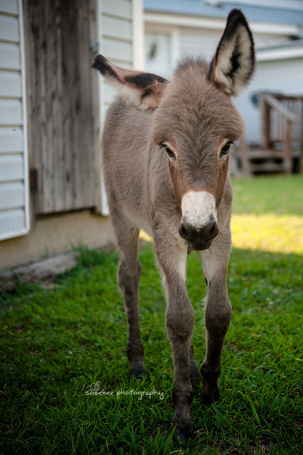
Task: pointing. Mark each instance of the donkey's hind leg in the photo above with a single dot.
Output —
(129, 273)
(193, 370)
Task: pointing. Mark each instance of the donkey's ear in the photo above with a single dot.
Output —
(140, 89)
(233, 64)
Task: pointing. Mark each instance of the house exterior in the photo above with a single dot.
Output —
(174, 28)
(51, 107)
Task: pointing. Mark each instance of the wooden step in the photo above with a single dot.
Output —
(267, 167)
(269, 154)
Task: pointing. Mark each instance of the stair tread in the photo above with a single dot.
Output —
(257, 153)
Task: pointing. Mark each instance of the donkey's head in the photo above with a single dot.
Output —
(194, 123)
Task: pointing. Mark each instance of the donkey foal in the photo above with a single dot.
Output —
(165, 160)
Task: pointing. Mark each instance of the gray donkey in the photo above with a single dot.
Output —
(166, 147)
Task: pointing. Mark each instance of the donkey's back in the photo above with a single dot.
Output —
(125, 156)
(166, 147)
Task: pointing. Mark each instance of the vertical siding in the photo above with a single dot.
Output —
(14, 210)
(63, 144)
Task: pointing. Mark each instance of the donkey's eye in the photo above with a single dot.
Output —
(169, 152)
(225, 148)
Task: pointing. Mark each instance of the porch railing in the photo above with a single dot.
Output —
(282, 136)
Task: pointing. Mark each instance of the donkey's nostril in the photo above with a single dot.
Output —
(184, 233)
(199, 238)
(213, 231)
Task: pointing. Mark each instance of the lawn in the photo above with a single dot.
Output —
(64, 386)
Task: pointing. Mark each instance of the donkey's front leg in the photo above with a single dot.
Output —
(179, 317)
(217, 314)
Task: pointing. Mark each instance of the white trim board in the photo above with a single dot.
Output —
(280, 54)
(210, 23)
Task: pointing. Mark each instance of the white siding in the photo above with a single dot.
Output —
(192, 41)
(269, 39)
(115, 39)
(199, 42)
(204, 42)
(119, 26)
(14, 211)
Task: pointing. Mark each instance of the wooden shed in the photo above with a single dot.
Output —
(51, 107)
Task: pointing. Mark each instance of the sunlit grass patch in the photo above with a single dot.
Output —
(268, 232)
(145, 236)
(267, 214)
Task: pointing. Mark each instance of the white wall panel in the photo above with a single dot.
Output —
(117, 28)
(11, 167)
(9, 28)
(10, 57)
(10, 112)
(11, 195)
(10, 84)
(117, 8)
(120, 51)
(12, 221)
(14, 209)
(11, 140)
(9, 7)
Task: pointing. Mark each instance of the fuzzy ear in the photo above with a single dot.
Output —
(233, 64)
(140, 89)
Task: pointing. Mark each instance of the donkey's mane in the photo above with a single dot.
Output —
(190, 63)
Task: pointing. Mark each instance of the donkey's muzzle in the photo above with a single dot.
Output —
(199, 239)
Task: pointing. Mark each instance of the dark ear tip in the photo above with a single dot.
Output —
(99, 63)
(236, 15)
(236, 12)
(104, 66)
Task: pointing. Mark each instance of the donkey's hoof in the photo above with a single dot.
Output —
(180, 435)
(138, 370)
(184, 429)
(209, 394)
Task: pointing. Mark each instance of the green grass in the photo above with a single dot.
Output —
(268, 214)
(57, 341)
(279, 195)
